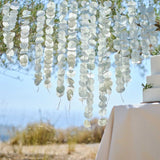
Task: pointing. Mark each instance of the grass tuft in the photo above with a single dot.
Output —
(35, 134)
(42, 134)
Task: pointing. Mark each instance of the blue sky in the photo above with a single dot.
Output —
(22, 103)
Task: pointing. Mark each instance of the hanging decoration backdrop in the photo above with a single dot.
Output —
(59, 34)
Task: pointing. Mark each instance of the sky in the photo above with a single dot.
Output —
(21, 102)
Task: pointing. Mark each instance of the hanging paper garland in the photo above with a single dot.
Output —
(9, 21)
(24, 45)
(83, 58)
(63, 10)
(148, 35)
(104, 74)
(84, 31)
(48, 57)
(39, 47)
(134, 33)
(72, 47)
(121, 44)
(7, 36)
(125, 65)
(85, 36)
(91, 62)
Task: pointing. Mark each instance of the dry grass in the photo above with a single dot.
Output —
(71, 147)
(48, 152)
(44, 142)
(42, 134)
(35, 134)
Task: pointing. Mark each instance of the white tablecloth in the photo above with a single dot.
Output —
(132, 133)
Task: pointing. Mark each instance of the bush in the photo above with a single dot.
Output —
(41, 134)
(71, 145)
(35, 134)
(97, 131)
(80, 134)
(60, 136)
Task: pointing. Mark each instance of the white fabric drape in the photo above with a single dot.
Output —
(132, 133)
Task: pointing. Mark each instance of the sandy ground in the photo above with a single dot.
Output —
(48, 152)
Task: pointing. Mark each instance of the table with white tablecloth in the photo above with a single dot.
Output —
(132, 133)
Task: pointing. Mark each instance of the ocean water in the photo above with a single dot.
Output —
(6, 132)
(4, 137)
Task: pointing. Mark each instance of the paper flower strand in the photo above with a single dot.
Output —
(10, 13)
(72, 47)
(104, 74)
(25, 29)
(148, 30)
(38, 46)
(48, 57)
(62, 41)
